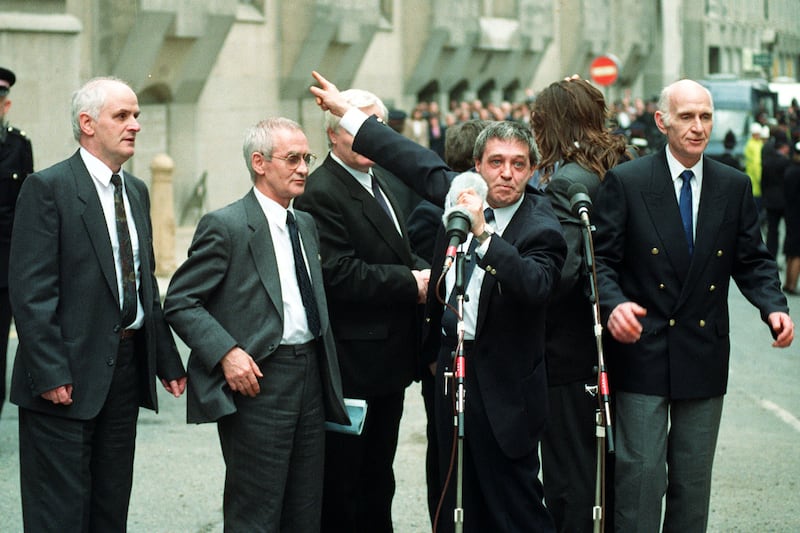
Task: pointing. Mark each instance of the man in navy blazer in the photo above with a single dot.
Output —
(82, 368)
(663, 285)
(519, 257)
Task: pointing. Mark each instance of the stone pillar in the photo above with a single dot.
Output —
(162, 213)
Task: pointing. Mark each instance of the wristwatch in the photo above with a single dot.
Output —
(488, 231)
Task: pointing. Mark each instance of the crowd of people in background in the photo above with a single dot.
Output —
(630, 116)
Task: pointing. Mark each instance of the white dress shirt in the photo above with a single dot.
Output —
(101, 176)
(675, 170)
(502, 216)
(295, 323)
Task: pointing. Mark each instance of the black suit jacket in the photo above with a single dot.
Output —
(571, 342)
(16, 162)
(63, 290)
(522, 270)
(366, 265)
(642, 257)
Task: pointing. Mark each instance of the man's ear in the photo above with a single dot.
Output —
(86, 123)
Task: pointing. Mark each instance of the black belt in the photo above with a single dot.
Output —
(297, 349)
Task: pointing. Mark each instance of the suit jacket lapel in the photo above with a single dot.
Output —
(263, 251)
(141, 221)
(710, 213)
(94, 221)
(306, 229)
(384, 227)
(665, 214)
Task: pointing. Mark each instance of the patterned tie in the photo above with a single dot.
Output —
(303, 281)
(686, 208)
(125, 255)
(449, 319)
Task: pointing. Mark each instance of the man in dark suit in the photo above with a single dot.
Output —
(92, 336)
(374, 284)
(424, 224)
(249, 302)
(520, 255)
(672, 229)
(16, 162)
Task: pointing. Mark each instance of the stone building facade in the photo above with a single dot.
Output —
(206, 69)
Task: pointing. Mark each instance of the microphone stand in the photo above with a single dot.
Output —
(603, 429)
(459, 375)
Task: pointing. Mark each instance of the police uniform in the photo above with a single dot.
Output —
(16, 162)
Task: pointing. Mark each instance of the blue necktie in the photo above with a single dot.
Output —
(449, 319)
(686, 208)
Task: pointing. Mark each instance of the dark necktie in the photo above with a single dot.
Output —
(449, 319)
(686, 208)
(376, 190)
(125, 255)
(303, 281)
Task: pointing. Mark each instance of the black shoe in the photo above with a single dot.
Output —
(787, 290)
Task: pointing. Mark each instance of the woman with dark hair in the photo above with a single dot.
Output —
(569, 123)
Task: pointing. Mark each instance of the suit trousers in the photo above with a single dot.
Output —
(432, 470)
(76, 475)
(273, 447)
(359, 478)
(664, 447)
(569, 457)
(500, 494)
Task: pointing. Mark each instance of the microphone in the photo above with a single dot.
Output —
(457, 219)
(580, 204)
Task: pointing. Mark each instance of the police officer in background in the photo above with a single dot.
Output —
(16, 162)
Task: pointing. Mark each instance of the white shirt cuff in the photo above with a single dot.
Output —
(352, 120)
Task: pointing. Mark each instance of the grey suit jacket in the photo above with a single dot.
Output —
(227, 293)
(63, 290)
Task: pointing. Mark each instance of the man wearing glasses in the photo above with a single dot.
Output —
(249, 302)
(374, 284)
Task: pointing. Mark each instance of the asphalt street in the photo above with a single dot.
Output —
(179, 471)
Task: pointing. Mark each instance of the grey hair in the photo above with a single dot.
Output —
(90, 99)
(260, 138)
(507, 130)
(357, 98)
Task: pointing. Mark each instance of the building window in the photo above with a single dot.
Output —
(387, 10)
(258, 4)
(508, 9)
(713, 60)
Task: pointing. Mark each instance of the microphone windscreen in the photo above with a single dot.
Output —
(575, 188)
(462, 182)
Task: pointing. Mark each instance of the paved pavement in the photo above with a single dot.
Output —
(179, 472)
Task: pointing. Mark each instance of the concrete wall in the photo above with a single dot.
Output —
(208, 69)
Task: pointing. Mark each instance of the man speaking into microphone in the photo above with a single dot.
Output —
(519, 250)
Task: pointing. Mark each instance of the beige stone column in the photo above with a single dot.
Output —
(162, 212)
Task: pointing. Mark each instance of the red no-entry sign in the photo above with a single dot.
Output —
(604, 70)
